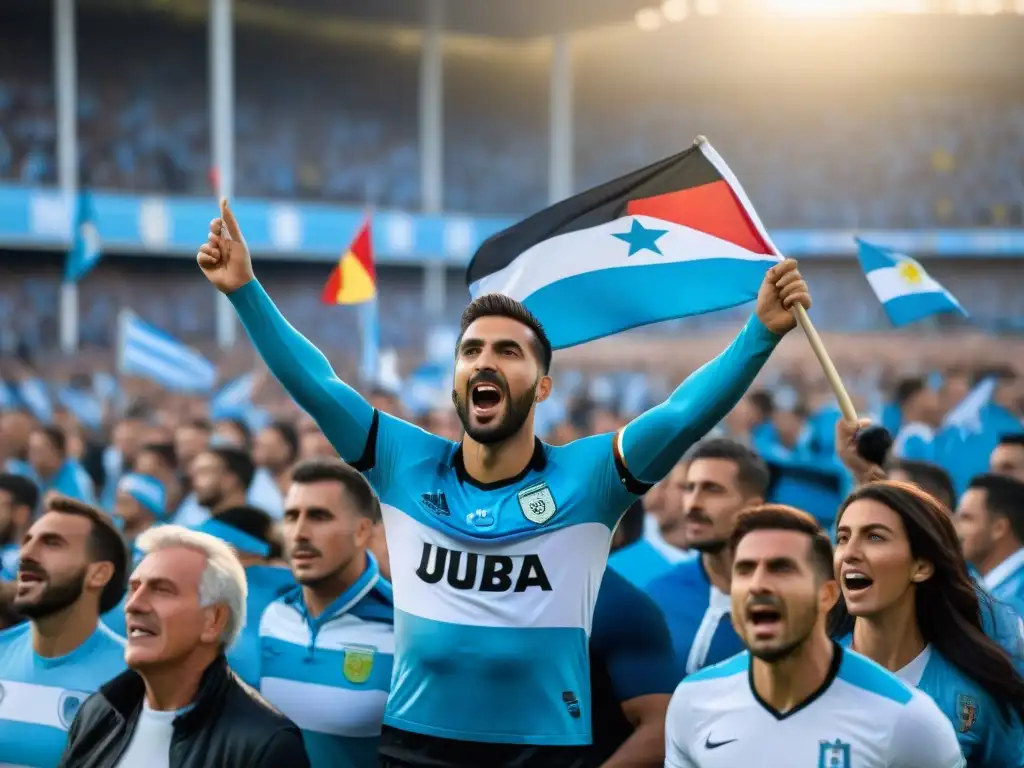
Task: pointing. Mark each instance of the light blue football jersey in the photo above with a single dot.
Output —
(331, 674)
(987, 738)
(699, 616)
(495, 584)
(39, 697)
(1006, 581)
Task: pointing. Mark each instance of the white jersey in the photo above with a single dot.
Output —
(861, 717)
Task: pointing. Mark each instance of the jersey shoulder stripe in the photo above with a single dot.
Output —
(736, 665)
(861, 672)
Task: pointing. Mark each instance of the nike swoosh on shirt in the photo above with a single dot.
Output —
(709, 744)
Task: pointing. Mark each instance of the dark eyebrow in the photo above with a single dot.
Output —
(869, 528)
(499, 344)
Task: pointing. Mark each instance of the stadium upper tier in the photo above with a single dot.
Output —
(315, 121)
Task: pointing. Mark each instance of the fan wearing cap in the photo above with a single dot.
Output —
(140, 504)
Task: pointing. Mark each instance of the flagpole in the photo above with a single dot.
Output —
(831, 374)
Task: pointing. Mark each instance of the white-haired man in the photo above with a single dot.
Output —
(179, 705)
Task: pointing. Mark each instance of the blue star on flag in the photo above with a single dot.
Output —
(641, 239)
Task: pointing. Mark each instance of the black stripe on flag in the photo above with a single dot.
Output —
(688, 169)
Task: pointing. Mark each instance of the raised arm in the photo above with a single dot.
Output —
(341, 412)
(651, 444)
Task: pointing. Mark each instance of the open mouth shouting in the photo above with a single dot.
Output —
(767, 620)
(855, 582)
(486, 399)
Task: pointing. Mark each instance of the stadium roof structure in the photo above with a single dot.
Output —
(510, 21)
(484, 18)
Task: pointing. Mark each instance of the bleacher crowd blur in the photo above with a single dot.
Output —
(900, 153)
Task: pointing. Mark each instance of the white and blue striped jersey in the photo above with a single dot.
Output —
(861, 717)
(331, 674)
(495, 586)
(39, 697)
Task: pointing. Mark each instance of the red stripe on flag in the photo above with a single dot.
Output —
(333, 286)
(710, 208)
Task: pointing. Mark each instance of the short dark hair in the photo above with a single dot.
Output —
(289, 434)
(763, 402)
(335, 470)
(1004, 497)
(237, 462)
(56, 437)
(164, 452)
(779, 517)
(929, 476)
(500, 305)
(751, 471)
(24, 493)
(907, 387)
(254, 522)
(242, 428)
(1017, 439)
(105, 545)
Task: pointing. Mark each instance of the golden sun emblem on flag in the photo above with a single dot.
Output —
(358, 663)
(910, 271)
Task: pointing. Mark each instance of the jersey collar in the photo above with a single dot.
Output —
(538, 461)
(833, 672)
(1004, 570)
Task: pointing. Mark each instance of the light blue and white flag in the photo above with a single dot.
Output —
(85, 406)
(144, 350)
(35, 395)
(86, 248)
(907, 292)
(675, 239)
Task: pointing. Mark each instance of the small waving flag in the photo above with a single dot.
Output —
(674, 239)
(86, 248)
(354, 279)
(907, 292)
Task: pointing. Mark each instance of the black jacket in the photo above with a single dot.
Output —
(230, 726)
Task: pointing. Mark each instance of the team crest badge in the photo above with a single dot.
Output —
(68, 705)
(358, 663)
(833, 754)
(537, 503)
(967, 709)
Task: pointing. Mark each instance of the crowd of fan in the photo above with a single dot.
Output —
(308, 127)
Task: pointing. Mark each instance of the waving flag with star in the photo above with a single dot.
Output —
(674, 239)
(907, 292)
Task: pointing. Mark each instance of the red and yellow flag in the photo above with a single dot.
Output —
(354, 279)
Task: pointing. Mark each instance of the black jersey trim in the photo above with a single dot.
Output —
(833, 672)
(538, 461)
(629, 482)
(368, 460)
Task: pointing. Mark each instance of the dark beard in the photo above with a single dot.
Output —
(778, 654)
(55, 598)
(709, 547)
(510, 423)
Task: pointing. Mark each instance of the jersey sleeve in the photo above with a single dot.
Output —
(650, 445)
(923, 737)
(631, 634)
(341, 412)
(678, 734)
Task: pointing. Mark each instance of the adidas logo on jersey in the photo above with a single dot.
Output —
(484, 573)
(436, 502)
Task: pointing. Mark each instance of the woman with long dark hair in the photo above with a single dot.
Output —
(908, 603)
